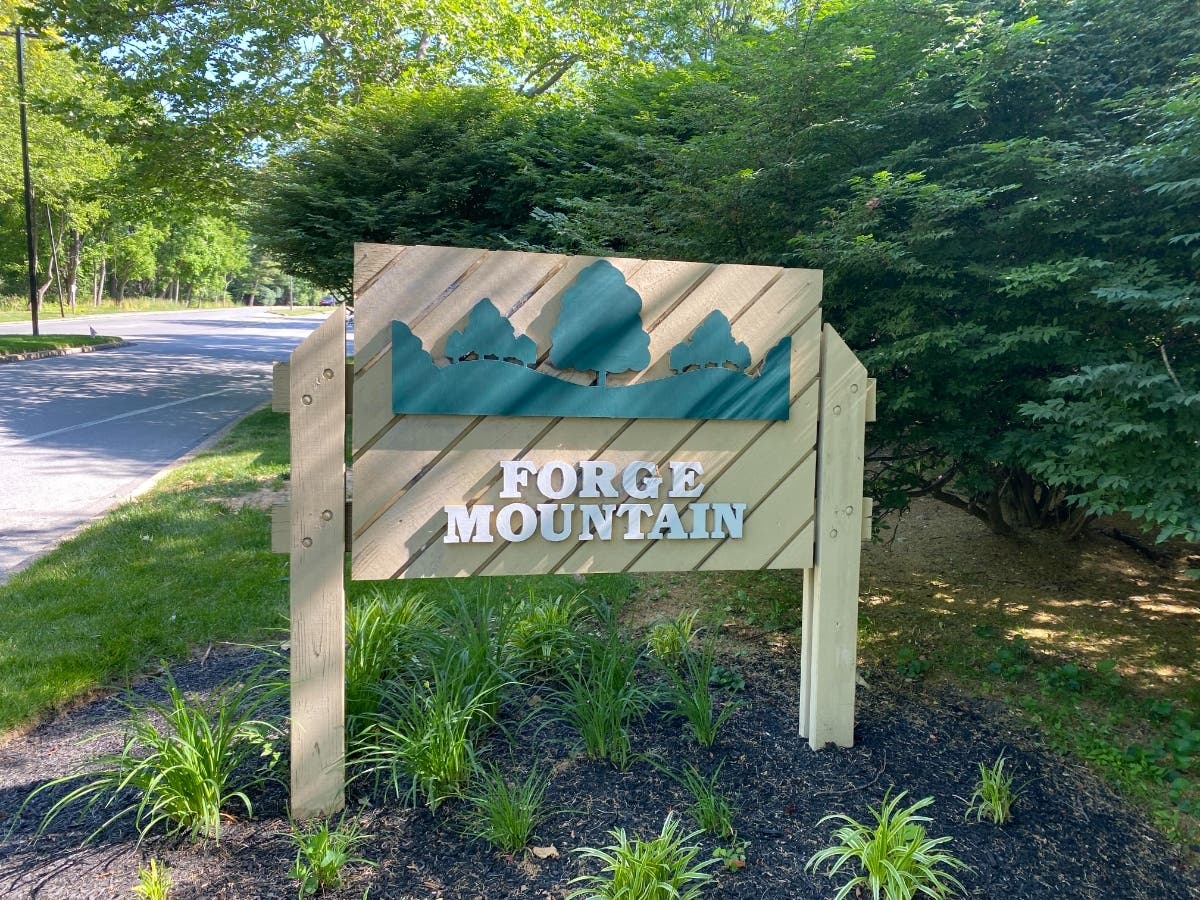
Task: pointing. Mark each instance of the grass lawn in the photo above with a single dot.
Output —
(12, 344)
(1091, 642)
(16, 309)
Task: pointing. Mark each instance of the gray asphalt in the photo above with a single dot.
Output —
(79, 434)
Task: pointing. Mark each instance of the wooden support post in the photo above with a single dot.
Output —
(317, 405)
(830, 618)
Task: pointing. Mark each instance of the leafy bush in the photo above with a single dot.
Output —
(1012, 659)
(712, 812)
(994, 795)
(185, 761)
(602, 696)
(544, 634)
(382, 635)
(894, 857)
(668, 641)
(154, 882)
(662, 868)
(911, 664)
(691, 694)
(421, 745)
(502, 813)
(322, 852)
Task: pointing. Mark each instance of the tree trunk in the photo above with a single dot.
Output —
(74, 253)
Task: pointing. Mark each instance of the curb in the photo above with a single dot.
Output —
(62, 351)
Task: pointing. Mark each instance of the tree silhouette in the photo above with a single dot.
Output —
(600, 326)
(489, 335)
(711, 344)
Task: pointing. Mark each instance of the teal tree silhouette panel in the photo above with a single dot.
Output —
(599, 329)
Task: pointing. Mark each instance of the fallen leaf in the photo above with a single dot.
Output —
(550, 852)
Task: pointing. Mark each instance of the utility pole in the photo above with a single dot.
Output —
(30, 237)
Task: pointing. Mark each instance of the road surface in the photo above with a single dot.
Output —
(80, 433)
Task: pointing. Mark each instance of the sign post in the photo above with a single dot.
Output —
(525, 413)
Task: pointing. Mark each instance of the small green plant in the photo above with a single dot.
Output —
(503, 813)
(421, 746)
(712, 812)
(602, 697)
(1068, 678)
(691, 694)
(1012, 659)
(184, 761)
(545, 634)
(727, 679)
(994, 795)
(1107, 674)
(669, 641)
(894, 857)
(382, 634)
(911, 664)
(733, 855)
(154, 882)
(662, 868)
(322, 852)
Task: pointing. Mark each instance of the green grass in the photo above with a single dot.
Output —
(16, 309)
(184, 565)
(12, 344)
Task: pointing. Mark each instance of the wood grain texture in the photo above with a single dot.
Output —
(830, 612)
(317, 539)
(408, 468)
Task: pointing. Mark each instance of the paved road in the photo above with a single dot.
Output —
(80, 433)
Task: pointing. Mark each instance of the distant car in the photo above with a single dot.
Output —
(329, 300)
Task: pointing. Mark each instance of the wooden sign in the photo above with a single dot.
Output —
(648, 384)
(527, 413)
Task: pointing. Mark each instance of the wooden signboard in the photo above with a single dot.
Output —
(524, 413)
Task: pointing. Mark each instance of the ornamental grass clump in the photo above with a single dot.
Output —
(711, 810)
(601, 698)
(184, 762)
(154, 882)
(669, 641)
(691, 694)
(994, 795)
(894, 858)
(545, 634)
(662, 868)
(322, 853)
(504, 813)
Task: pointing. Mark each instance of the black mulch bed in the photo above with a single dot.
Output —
(1071, 838)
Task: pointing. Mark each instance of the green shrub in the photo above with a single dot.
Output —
(691, 694)
(544, 634)
(421, 746)
(322, 852)
(894, 857)
(502, 813)
(601, 697)
(669, 641)
(712, 812)
(383, 634)
(994, 795)
(154, 882)
(662, 868)
(183, 762)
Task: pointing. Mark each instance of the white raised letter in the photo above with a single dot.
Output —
(597, 520)
(598, 478)
(641, 489)
(683, 479)
(516, 476)
(546, 515)
(633, 524)
(504, 522)
(699, 521)
(545, 480)
(728, 516)
(668, 520)
(468, 525)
